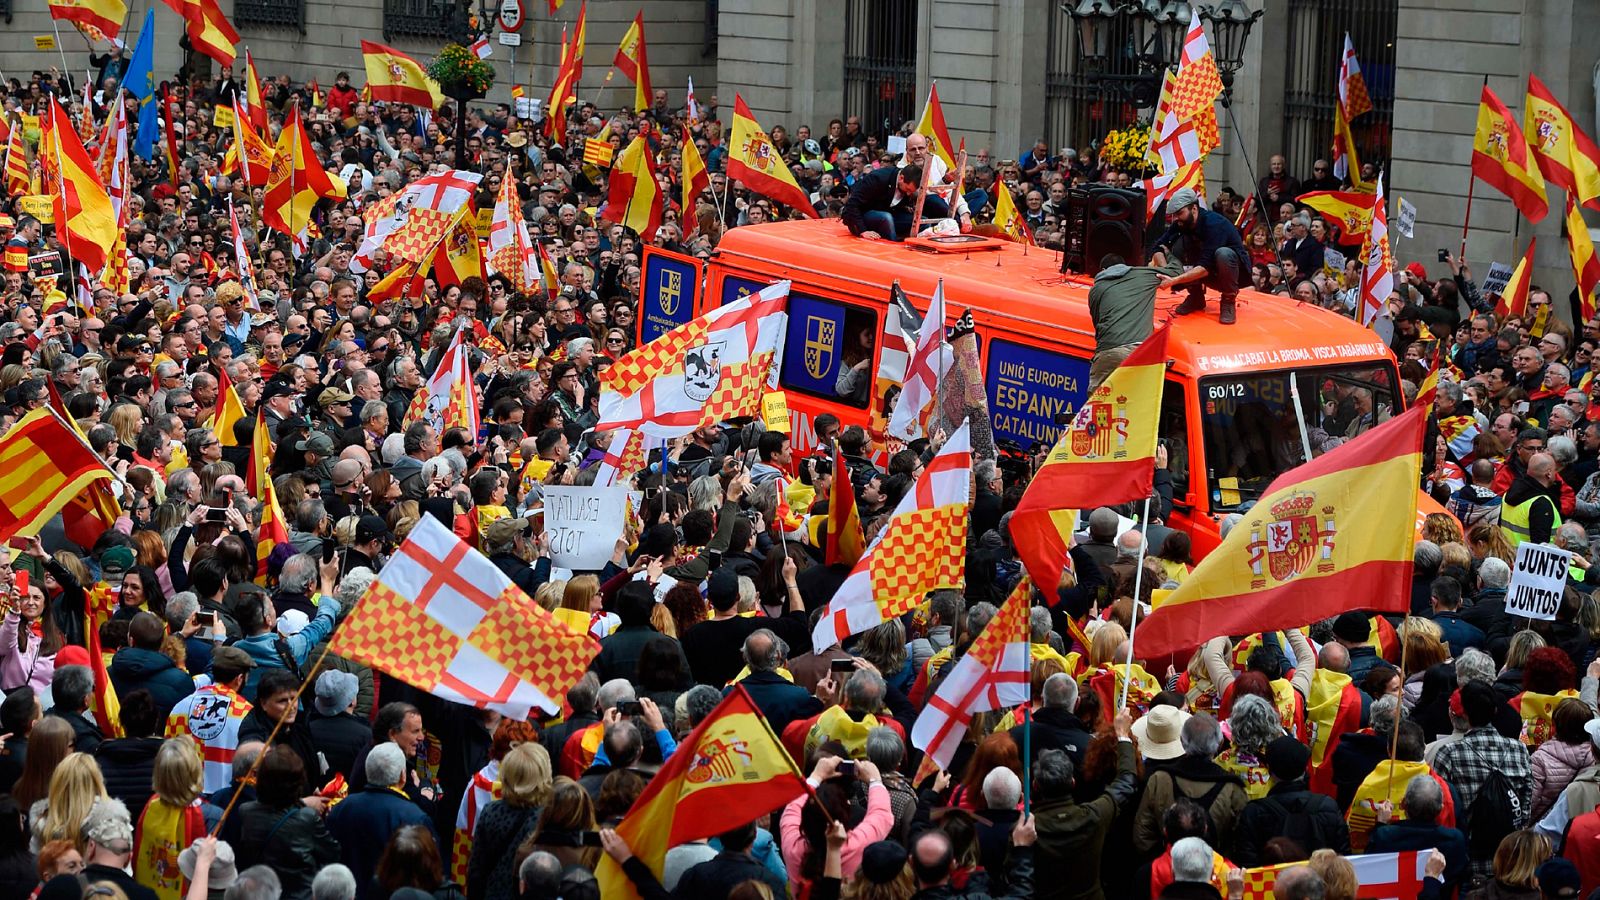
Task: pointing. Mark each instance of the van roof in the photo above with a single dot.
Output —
(1026, 287)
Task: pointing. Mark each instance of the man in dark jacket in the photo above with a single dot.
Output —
(880, 206)
(1454, 630)
(141, 664)
(70, 687)
(507, 541)
(1289, 809)
(717, 876)
(1353, 630)
(1072, 835)
(779, 699)
(932, 862)
(581, 697)
(712, 647)
(364, 822)
(1213, 254)
(1420, 830)
(338, 733)
(1055, 727)
(620, 650)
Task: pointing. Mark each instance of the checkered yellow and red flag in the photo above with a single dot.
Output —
(707, 370)
(1199, 81)
(443, 618)
(921, 549)
(992, 674)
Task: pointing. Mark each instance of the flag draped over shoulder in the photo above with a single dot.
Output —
(707, 370)
(728, 771)
(44, 465)
(1329, 536)
(1107, 454)
(635, 199)
(921, 549)
(443, 618)
(754, 160)
(992, 674)
(1502, 158)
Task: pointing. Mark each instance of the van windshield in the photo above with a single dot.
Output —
(1251, 432)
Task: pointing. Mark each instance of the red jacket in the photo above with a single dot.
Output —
(1583, 848)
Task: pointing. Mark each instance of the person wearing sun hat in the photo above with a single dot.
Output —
(1158, 733)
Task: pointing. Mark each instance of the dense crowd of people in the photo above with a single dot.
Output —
(1456, 729)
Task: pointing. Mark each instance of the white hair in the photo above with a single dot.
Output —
(1001, 788)
(334, 882)
(1191, 860)
(386, 764)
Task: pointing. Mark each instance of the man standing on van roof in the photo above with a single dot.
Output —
(1213, 254)
(1122, 306)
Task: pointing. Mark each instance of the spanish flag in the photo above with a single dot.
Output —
(81, 206)
(635, 198)
(228, 411)
(932, 126)
(754, 160)
(1388, 783)
(44, 464)
(729, 770)
(1329, 536)
(568, 75)
(255, 103)
(168, 116)
(1008, 218)
(104, 15)
(1536, 711)
(695, 176)
(395, 77)
(1514, 296)
(1501, 156)
(1585, 267)
(1350, 210)
(459, 255)
(297, 180)
(274, 528)
(845, 543)
(208, 29)
(1332, 709)
(1565, 154)
(1107, 454)
(633, 63)
(249, 154)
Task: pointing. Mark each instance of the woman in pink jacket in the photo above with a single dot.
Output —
(805, 821)
(1567, 752)
(29, 640)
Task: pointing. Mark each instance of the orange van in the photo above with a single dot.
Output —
(1227, 418)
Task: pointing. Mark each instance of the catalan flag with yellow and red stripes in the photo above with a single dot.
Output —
(1329, 536)
(43, 466)
(1107, 454)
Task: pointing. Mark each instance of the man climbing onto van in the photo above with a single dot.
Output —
(1213, 254)
(881, 204)
(1122, 306)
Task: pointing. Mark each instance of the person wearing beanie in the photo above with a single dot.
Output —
(1354, 630)
(1214, 255)
(337, 731)
(1289, 810)
(714, 647)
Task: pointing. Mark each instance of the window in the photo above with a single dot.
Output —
(824, 339)
(417, 18)
(1173, 432)
(1033, 393)
(280, 13)
(1252, 434)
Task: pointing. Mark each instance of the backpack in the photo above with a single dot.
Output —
(1494, 813)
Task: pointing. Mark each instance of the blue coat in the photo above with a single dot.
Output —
(133, 668)
(1459, 633)
(263, 648)
(363, 824)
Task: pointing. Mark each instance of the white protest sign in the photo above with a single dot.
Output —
(1495, 281)
(583, 524)
(1405, 224)
(897, 145)
(1537, 581)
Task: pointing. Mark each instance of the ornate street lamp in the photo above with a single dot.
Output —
(1120, 46)
(1096, 20)
(1172, 24)
(1230, 22)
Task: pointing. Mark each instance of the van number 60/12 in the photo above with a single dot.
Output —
(1224, 391)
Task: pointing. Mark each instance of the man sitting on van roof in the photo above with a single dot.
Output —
(1213, 254)
(881, 204)
(917, 155)
(1122, 306)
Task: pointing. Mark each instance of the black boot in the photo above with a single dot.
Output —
(1195, 302)
(1226, 314)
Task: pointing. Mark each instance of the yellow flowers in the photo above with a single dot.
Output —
(1125, 148)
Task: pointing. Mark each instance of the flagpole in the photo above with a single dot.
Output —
(1300, 417)
(1133, 624)
(1466, 219)
(55, 25)
(1394, 738)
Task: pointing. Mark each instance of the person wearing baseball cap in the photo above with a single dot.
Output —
(1213, 255)
(508, 541)
(371, 535)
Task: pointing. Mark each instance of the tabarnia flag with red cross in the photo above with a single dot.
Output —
(442, 617)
